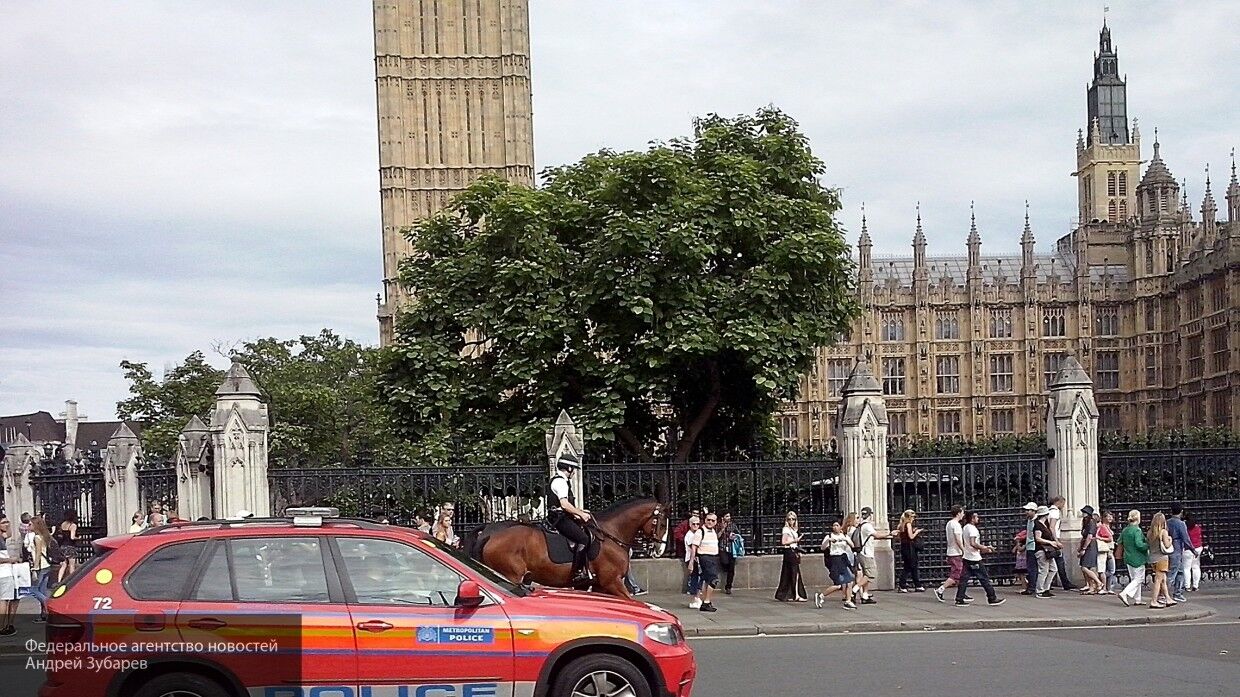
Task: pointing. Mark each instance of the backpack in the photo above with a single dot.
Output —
(855, 540)
(55, 554)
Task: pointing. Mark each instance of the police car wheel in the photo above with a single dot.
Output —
(181, 685)
(601, 675)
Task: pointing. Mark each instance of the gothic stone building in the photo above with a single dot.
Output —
(1146, 296)
(452, 79)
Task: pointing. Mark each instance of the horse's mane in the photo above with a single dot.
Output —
(622, 506)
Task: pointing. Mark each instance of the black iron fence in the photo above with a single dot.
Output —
(157, 483)
(73, 487)
(996, 486)
(1206, 481)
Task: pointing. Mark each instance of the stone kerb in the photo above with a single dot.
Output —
(863, 451)
(1072, 435)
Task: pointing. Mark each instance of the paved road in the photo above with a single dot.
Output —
(1197, 658)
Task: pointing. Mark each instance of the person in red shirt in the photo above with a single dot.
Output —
(1192, 558)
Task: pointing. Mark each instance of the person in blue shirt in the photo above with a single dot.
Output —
(1178, 529)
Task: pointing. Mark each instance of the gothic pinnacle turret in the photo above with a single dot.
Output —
(919, 248)
(975, 240)
(1209, 212)
(864, 245)
(1026, 247)
(1233, 196)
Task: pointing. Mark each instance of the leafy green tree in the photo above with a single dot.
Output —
(681, 289)
(320, 391)
(164, 406)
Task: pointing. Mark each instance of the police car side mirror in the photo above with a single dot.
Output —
(468, 594)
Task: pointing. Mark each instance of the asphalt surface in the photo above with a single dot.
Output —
(1199, 658)
(1194, 658)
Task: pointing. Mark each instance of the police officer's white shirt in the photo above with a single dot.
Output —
(954, 533)
(973, 540)
(559, 487)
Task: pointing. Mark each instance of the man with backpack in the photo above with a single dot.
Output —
(862, 538)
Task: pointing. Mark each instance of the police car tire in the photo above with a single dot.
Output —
(182, 685)
(579, 668)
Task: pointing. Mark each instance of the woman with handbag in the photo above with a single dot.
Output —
(1087, 552)
(911, 544)
(791, 587)
(1161, 548)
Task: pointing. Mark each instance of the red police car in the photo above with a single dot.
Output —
(320, 606)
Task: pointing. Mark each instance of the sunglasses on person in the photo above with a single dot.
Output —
(712, 520)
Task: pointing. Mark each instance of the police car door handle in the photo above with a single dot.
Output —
(208, 623)
(374, 626)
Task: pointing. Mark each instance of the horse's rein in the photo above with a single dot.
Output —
(626, 546)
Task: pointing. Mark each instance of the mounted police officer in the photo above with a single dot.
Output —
(568, 518)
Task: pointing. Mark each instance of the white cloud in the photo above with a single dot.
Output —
(177, 173)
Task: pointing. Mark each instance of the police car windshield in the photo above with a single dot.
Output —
(479, 568)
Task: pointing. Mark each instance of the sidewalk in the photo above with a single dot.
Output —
(753, 612)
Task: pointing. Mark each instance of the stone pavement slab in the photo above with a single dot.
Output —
(750, 612)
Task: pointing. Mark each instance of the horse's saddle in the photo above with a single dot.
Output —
(560, 549)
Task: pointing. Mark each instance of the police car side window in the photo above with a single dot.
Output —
(278, 569)
(216, 581)
(384, 572)
(162, 575)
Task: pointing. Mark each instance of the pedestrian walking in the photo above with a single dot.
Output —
(791, 587)
(955, 552)
(10, 554)
(708, 561)
(1106, 552)
(1182, 547)
(729, 536)
(838, 556)
(1133, 550)
(1161, 548)
(911, 544)
(693, 538)
(1194, 561)
(678, 539)
(45, 556)
(1030, 550)
(66, 538)
(864, 538)
(1057, 509)
(973, 565)
(1087, 551)
(1048, 550)
(137, 523)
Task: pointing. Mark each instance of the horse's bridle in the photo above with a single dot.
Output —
(626, 546)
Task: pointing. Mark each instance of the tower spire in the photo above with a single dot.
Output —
(919, 248)
(1107, 94)
(864, 245)
(1233, 196)
(975, 240)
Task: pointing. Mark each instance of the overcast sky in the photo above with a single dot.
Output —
(178, 174)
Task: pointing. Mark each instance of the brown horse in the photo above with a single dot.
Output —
(518, 551)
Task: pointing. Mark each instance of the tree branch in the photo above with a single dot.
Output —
(631, 441)
(695, 427)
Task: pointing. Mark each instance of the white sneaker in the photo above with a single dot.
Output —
(695, 603)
